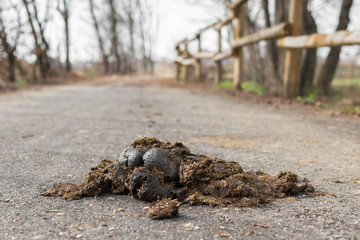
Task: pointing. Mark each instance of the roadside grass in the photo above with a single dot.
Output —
(311, 97)
(346, 82)
(23, 82)
(347, 94)
(88, 74)
(344, 97)
(252, 87)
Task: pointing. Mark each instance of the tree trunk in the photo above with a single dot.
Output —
(254, 64)
(12, 63)
(131, 23)
(105, 57)
(114, 35)
(281, 15)
(328, 70)
(271, 46)
(272, 67)
(41, 45)
(67, 37)
(308, 66)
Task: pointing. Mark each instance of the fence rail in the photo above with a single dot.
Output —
(286, 33)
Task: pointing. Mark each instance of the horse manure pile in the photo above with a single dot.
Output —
(170, 175)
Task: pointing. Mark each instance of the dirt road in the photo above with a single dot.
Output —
(56, 134)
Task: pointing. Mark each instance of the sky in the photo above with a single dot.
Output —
(177, 19)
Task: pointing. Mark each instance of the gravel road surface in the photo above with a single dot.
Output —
(55, 134)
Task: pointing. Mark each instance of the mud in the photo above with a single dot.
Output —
(152, 170)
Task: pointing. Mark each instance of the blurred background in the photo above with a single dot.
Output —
(45, 41)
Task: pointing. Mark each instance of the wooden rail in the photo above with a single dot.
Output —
(288, 37)
(280, 30)
(316, 40)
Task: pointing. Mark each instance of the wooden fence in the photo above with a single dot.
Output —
(287, 33)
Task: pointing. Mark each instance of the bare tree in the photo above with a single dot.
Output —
(146, 24)
(308, 65)
(129, 12)
(254, 65)
(328, 70)
(114, 34)
(38, 32)
(104, 55)
(65, 13)
(10, 48)
(272, 56)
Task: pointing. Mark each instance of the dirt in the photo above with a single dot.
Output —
(165, 208)
(152, 170)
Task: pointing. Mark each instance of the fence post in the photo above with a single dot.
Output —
(198, 61)
(178, 65)
(185, 67)
(292, 57)
(218, 68)
(238, 56)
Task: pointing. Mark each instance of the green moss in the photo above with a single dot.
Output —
(21, 83)
(311, 97)
(226, 84)
(253, 87)
(246, 86)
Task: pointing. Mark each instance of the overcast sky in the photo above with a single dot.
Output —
(176, 20)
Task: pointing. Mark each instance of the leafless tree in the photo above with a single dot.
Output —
(128, 6)
(328, 69)
(147, 22)
(308, 64)
(114, 34)
(104, 55)
(38, 27)
(64, 10)
(9, 46)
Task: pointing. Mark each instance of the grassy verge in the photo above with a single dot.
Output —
(344, 97)
(252, 87)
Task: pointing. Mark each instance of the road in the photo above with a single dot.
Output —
(55, 134)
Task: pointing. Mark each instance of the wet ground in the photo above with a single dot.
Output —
(57, 134)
